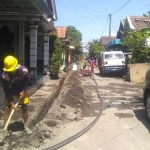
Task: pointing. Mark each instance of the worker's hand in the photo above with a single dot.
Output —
(22, 94)
(13, 106)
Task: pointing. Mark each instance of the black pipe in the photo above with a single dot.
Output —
(77, 135)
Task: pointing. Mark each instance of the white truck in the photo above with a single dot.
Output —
(111, 61)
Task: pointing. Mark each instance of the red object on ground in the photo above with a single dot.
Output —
(86, 72)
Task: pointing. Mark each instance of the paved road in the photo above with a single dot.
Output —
(123, 124)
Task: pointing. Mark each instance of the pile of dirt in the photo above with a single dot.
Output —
(70, 105)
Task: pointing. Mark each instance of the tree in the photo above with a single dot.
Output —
(147, 15)
(56, 57)
(74, 36)
(94, 48)
(135, 41)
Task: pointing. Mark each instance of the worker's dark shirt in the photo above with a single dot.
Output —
(15, 82)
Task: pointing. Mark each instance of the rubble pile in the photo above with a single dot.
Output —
(70, 105)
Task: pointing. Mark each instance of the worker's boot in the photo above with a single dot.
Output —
(28, 130)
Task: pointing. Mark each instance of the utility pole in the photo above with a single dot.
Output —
(109, 26)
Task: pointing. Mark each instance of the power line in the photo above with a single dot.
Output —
(88, 7)
(83, 17)
(79, 13)
(105, 26)
(91, 21)
(114, 26)
(93, 31)
(120, 7)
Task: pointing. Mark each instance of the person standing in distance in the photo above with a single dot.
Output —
(92, 64)
(15, 79)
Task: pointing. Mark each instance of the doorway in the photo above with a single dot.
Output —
(6, 44)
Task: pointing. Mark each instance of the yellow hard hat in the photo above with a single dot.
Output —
(10, 63)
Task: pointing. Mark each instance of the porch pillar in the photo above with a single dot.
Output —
(69, 57)
(46, 53)
(63, 59)
(33, 51)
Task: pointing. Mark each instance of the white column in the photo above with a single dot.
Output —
(46, 53)
(33, 50)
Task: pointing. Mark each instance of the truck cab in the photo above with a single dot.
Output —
(111, 61)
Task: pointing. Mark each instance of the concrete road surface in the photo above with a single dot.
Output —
(123, 124)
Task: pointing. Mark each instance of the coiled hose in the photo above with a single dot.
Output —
(77, 135)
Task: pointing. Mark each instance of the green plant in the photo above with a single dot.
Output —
(56, 58)
(94, 48)
(65, 69)
(136, 43)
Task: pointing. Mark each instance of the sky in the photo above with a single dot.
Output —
(91, 17)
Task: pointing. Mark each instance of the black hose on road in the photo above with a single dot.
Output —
(77, 135)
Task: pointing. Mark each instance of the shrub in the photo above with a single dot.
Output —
(56, 58)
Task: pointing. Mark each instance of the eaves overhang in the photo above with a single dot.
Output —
(26, 8)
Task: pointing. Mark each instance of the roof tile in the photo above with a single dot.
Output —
(140, 22)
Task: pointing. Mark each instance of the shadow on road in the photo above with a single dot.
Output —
(111, 75)
(16, 126)
(141, 116)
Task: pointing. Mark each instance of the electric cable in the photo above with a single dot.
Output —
(105, 27)
(88, 7)
(114, 27)
(83, 17)
(77, 135)
(78, 13)
(90, 21)
(93, 31)
(121, 7)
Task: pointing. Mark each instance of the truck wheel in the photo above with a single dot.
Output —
(147, 107)
(101, 72)
(104, 74)
(121, 74)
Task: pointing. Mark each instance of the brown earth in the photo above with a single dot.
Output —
(71, 105)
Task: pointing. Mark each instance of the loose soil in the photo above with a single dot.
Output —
(71, 105)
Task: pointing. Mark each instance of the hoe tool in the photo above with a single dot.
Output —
(4, 132)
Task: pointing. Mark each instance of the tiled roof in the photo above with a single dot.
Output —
(61, 31)
(139, 22)
(104, 39)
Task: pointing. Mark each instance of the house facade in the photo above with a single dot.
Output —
(128, 24)
(25, 27)
(105, 39)
(68, 50)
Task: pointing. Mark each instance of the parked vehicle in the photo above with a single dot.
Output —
(111, 61)
(146, 94)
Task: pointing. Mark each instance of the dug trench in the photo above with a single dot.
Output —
(56, 103)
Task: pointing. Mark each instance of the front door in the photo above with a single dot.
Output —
(6, 44)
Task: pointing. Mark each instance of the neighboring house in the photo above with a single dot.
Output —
(121, 28)
(114, 44)
(130, 23)
(25, 27)
(136, 23)
(67, 53)
(61, 33)
(105, 39)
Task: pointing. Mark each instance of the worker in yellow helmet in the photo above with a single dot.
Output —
(15, 79)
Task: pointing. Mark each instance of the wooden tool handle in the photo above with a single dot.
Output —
(10, 116)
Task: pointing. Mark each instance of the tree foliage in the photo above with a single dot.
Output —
(74, 36)
(56, 56)
(147, 15)
(94, 48)
(136, 43)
